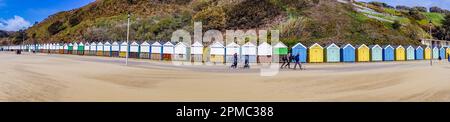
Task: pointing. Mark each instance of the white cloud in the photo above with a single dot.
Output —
(14, 24)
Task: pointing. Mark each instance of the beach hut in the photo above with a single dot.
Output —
(217, 53)
(93, 49)
(87, 47)
(427, 53)
(100, 49)
(181, 52)
(54, 48)
(300, 49)
(168, 51)
(388, 53)
(410, 53)
(332, 53)
(75, 48)
(248, 50)
(230, 50)
(264, 53)
(447, 53)
(316, 54)
(61, 48)
(362, 53)
(280, 50)
(107, 49)
(376, 53)
(70, 48)
(66, 48)
(134, 50)
(123, 49)
(348, 53)
(400, 53)
(80, 49)
(435, 53)
(115, 49)
(419, 53)
(197, 52)
(156, 51)
(442, 54)
(144, 50)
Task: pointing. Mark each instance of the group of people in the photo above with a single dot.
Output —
(235, 61)
(287, 59)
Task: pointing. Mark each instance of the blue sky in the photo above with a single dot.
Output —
(427, 3)
(15, 14)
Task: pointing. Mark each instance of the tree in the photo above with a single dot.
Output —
(396, 25)
(401, 7)
(420, 8)
(446, 26)
(436, 9)
(416, 14)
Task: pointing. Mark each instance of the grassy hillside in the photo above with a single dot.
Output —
(306, 21)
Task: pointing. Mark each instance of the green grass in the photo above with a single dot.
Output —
(436, 18)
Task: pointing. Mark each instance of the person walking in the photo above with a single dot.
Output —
(289, 59)
(246, 62)
(235, 58)
(297, 62)
(284, 60)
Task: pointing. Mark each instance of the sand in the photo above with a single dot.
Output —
(43, 77)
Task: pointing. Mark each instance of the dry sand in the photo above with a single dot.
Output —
(42, 77)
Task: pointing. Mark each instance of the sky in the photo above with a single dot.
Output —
(20, 14)
(426, 3)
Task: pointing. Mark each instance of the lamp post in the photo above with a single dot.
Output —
(431, 43)
(128, 37)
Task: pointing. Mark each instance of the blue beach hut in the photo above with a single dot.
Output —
(299, 48)
(388, 53)
(332, 53)
(419, 53)
(442, 53)
(376, 53)
(348, 53)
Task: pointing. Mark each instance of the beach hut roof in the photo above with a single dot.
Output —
(87, 44)
(124, 43)
(332, 45)
(81, 44)
(197, 44)
(70, 44)
(145, 43)
(315, 44)
(410, 46)
(181, 44)
(156, 44)
(374, 46)
(347, 45)
(249, 44)
(93, 43)
(115, 43)
(388, 46)
(134, 43)
(233, 44)
(217, 44)
(419, 47)
(362, 46)
(99, 43)
(168, 43)
(107, 43)
(280, 45)
(299, 44)
(399, 46)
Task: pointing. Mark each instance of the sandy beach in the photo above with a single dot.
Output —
(54, 77)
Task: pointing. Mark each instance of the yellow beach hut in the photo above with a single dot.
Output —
(427, 53)
(400, 54)
(363, 53)
(315, 53)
